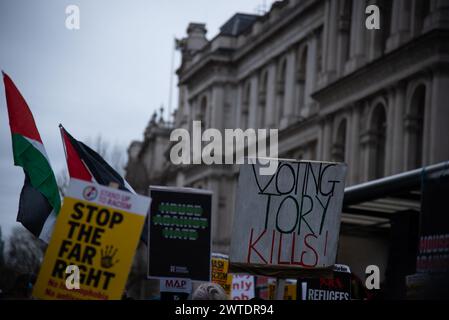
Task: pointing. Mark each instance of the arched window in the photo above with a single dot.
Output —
(263, 82)
(280, 88)
(339, 147)
(378, 143)
(245, 105)
(415, 127)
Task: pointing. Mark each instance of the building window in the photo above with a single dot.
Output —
(345, 27)
(300, 77)
(245, 105)
(319, 51)
(415, 127)
(378, 142)
(280, 88)
(339, 147)
(263, 81)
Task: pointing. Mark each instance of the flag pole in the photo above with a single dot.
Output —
(61, 128)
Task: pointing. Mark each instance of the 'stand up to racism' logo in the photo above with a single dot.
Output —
(90, 193)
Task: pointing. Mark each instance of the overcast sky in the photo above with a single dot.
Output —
(105, 79)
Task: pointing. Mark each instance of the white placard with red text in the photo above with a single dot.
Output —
(291, 218)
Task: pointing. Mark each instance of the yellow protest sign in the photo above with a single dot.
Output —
(289, 290)
(220, 267)
(96, 234)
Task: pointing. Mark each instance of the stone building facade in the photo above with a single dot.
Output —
(375, 99)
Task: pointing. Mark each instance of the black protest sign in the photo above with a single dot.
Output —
(179, 236)
(433, 254)
(337, 287)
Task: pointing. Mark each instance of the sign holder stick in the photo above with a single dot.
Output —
(114, 185)
(280, 288)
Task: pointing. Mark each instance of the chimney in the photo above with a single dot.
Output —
(196, 37)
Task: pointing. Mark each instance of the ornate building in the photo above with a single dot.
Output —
(375, 99)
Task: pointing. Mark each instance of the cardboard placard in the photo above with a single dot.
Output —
(220, 269)
(290, 219)
(243, 287)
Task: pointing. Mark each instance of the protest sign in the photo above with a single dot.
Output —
(175, 288)
(179, 238)
(263, 287)
(431, 280)
(96, 232)
(289, 289)
(336, 288)
(243, 287)
(220, 267)
(433, 254)
(289, 219)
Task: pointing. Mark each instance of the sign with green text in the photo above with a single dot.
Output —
(179, 239)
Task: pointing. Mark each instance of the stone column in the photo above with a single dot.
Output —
(438, 17)
(389, 145)
(216, 228)
(183, 115)
(427, 122)
(270, 115)
(193, 112)
(216, 107)
(289, 94)
(374, 37)
(208, 116)
(439, 116)
(357, 38)
(226, 207)
(343, 25)
(326, 143)
(310, 75)
(365, 144)
(398, 130)
(320, 142)
(330, 50)
(400, 24)
(238, 113)
(355, 158)
(180, 179)
(326, 35)
(253, 102)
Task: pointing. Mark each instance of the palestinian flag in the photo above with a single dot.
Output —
(86, 164)
(39, 200)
